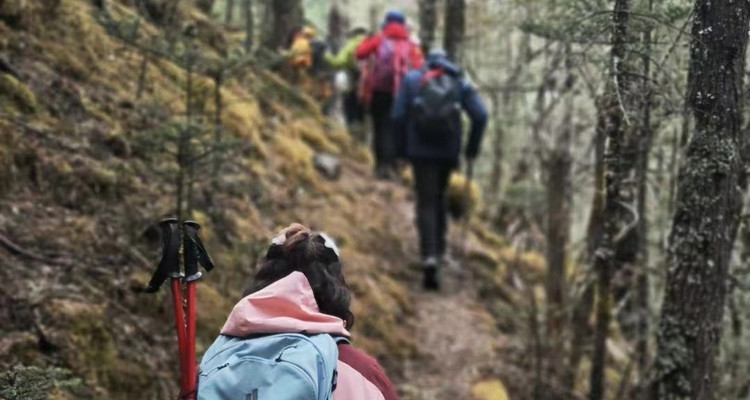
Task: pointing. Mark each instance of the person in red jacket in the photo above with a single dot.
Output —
(390, 54)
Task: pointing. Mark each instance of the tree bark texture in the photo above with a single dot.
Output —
(498, 146)
(617, 249)
(707, 206)
(455, 28)
(205, 5)
(427, 23)
(584, 305)
(247, 9)
(642, 297)
(229, 12)
(559, 165)
(336, 28)
(285, 16)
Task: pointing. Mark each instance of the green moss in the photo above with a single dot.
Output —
(88, 344)
(67, 62)
(99, 179)
(489, 390)
(34, 383)
(90, 347)
(463, 197)
(296, 159)
(18, 93)
(213, 309)
(314, 135)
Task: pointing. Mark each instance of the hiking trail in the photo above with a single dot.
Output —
(451, 358)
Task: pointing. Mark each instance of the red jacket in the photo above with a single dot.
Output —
(393, 30)
(372, 376)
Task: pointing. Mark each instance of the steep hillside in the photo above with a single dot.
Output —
(86, 169)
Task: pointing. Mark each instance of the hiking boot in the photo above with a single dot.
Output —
(431, 270)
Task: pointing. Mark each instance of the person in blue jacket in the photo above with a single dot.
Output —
(429, 100)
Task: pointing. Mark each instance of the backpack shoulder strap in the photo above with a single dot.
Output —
(400, 62)
(430, 75)
(341, 340)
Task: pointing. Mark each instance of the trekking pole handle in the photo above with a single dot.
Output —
(169, 266)
(191, 251)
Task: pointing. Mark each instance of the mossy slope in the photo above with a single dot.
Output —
(82, 186)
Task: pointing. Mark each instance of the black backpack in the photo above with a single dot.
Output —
(319, 49)
(437, 110)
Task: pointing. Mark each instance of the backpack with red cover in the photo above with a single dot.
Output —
(392, 62)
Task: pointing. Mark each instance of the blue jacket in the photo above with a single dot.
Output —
(406, 135)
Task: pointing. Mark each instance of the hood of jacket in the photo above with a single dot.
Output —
(440, 61)
(286, 306)
(394, 30)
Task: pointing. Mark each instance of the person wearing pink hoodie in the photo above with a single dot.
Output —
(299, 287)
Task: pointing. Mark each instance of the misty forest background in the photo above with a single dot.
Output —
(608, 241)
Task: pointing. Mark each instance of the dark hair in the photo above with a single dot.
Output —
(297, 248)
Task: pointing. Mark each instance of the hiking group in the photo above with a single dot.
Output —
(415, 108)
(288, 338)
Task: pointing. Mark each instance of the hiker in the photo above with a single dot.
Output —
(391, 55)
(298, 295)
(321, 75)
(346, 60)
(300, 55)
(428, 125)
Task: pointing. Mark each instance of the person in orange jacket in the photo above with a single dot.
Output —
(300, 56)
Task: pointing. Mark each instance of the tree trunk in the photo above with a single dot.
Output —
(618, 247)
(218, 131)
(186, 136)
(496, 176)
(559, 164)
(285, 16)
(455, 28)
(707, 206)
(427, 23)
(205, 5)
(642, 297)
(336, 29)
(247, 8)
(373, 16)
(582, 311)
(229, 13)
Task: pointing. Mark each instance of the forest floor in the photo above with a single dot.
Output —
(458, 341)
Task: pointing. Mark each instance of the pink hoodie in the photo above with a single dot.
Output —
(288, 305)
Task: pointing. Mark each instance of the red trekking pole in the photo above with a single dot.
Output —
(169, 267)
(194, 253)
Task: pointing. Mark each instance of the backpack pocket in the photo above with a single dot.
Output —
(436, 127)
(274, 367)
(257, 378)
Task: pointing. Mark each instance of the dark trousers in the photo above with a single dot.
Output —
(383, 141)
(354, 111)
(431, 183)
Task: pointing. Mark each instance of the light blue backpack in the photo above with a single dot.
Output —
(285, 366)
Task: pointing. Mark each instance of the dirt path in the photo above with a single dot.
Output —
(458, 341)
(456, 338)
